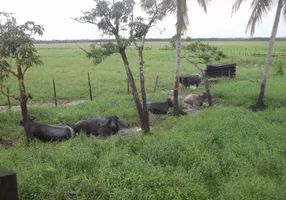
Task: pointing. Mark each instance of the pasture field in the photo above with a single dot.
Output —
(225, 152)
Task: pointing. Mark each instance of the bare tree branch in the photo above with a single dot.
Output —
(7, 68)
(84, 20)
(26, 69)
(82, 49)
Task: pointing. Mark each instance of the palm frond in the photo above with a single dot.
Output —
(260, 7)
(284, 10)
(168, 6)
(236, 6)
(147, 4)
(185, 13)
(182, 16)
(203, 4)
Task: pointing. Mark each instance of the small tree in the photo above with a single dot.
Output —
(111, 18)
(198, 53)
(16, 46)
(139, 28)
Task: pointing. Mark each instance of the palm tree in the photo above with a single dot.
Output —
(180, 6)
(261, 7)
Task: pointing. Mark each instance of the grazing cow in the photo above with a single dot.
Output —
(100, 126)
(190, 79)
(46, 132)
(195, 99)
(160, 108)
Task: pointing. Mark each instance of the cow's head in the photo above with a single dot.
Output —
(30, 118)
(113, 121)
(170, 102)
(181, 79)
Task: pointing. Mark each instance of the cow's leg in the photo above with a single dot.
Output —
(104, 132)
(30, 139)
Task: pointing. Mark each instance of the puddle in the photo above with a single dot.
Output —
(125, 131)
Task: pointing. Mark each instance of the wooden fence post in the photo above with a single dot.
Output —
(9, 102)
(8, 185)
(90, 92)
(55, 94)
(156, 83)
(128, 89)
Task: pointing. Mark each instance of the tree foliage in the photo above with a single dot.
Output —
(99, 52)
(203, 53)
(17, 48)
(110, 18)
(173, 41)
(198, 53)
(16, 45)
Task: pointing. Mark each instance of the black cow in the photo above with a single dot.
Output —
(46, 132)
(100, 126)
(190, 79)
(160, 108)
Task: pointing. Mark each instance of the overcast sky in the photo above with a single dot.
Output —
(55, 16)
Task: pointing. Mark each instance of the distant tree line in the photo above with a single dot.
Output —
(163, 40)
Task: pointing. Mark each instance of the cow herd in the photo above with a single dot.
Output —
(100, 127)
(105, 126)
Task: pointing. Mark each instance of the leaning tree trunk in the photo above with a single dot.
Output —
(134, 89)
(260, 102)
(23, 96)
(146, 126)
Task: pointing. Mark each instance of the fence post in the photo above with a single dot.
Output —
(9, 102)
(55, 94)
(90, 92)
(156, 83)
(128, 85)
(8, 185)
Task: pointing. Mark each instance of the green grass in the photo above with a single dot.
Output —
(226, 152)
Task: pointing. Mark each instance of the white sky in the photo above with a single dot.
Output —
(55, 16)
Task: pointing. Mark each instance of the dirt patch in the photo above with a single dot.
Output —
(12, 139)
(5, 144)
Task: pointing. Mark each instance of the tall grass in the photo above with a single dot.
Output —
(225, 152)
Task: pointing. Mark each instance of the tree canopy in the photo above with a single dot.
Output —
(110, 18)
(16, 45)
(203, 53)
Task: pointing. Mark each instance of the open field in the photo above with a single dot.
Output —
(225, 152)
